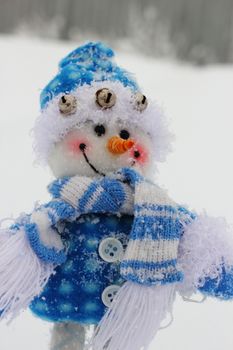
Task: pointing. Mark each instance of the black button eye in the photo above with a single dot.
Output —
(100, 130)
(124, 134)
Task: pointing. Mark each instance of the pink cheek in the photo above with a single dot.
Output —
(139, 154)
(73, 145)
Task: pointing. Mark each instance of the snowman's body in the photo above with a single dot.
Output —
(84, 286)
(96, 137)
(108, 229)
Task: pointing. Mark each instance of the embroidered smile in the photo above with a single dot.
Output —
(82, 148)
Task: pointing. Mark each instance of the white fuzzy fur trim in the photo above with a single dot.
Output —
(134, 318)
(22, 275)
(49, 237)
(206, 243)
(51, 126)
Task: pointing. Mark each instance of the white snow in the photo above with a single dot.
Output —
(199, 172)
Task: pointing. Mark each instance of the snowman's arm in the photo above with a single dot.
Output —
(42, 234)
(22, 274)
(29, 252)
(220, 287)
(206, 258)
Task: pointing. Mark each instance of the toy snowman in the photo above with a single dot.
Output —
(111, 249)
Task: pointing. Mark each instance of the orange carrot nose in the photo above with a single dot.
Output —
(117, 145)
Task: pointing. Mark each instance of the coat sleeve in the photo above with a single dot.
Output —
(42, 234)
(206, 258)
(30, 250)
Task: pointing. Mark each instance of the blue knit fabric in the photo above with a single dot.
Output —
(74, 292)
(221, 287)
(157, 225)
(111, 199)
(88, 63)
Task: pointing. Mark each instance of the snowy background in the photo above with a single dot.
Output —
(198, 102)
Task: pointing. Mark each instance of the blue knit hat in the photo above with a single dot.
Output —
(88, 63)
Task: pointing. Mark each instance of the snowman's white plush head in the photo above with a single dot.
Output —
(95, 120)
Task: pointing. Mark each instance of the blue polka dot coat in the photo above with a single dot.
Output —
(84, 286)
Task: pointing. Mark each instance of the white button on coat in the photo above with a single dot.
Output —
(111, 249)
(109, 293)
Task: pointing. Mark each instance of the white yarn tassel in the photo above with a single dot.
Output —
(22, 275)
(134, 317)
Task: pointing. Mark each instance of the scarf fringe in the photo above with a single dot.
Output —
(22, 275)
(134, 317)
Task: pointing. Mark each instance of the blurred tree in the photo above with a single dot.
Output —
(196, 30)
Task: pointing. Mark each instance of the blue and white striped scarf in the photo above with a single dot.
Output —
(151, 254)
